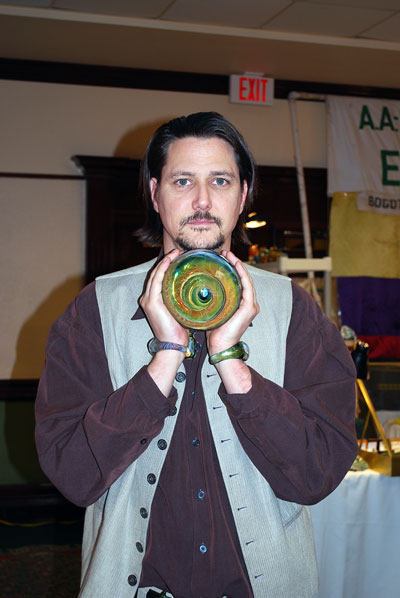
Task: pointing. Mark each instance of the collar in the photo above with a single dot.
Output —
(139, 314)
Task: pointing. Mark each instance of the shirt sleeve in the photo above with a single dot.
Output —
(302, 437)
(87, 434)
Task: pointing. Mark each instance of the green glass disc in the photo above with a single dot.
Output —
(201, 289)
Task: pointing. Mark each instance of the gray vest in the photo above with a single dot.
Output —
(275, 535)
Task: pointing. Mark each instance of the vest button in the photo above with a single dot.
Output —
(180, 376)
(151, 478)
(144, 513)
(143, 441)
(173, 410)
(132, 580)
(196, 442)
(139, 547)
(162, 444)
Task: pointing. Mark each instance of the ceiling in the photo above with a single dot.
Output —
(355, 42)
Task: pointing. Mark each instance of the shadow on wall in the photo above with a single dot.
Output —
(21, 462)
(31, 342)
(134, 143)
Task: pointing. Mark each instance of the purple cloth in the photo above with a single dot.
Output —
(370, 305)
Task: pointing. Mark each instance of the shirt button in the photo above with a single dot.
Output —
(201, 494)
(162, 444)
(196, 442)
(151, 478)
(144, 513)
(203, 548)
(132, 580)
(180, 376)
(139, 547)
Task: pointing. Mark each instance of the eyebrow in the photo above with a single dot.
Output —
(176, 173)
(223, 173)
(180, 173)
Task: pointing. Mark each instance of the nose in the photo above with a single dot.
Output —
(202, 199)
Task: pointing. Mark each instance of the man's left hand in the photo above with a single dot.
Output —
(230, 333)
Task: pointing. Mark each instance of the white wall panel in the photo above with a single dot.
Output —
(41, 265)
(42, 223)
(43, 124)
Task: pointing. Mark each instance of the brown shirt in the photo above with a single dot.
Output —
(301, 437)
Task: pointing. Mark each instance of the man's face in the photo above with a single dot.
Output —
(199, 197)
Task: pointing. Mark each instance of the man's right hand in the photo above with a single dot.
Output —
(162, 323)
(165, 363)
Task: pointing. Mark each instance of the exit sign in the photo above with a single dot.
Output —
(251, 89)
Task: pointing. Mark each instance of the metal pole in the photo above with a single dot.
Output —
(293, 96)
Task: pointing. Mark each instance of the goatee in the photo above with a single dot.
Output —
(187, 244)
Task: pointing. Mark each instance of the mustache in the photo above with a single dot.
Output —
(201, 216)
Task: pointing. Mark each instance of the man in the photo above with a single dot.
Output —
(194, 474)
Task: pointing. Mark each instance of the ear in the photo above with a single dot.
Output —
(243, 196)
(153, 193)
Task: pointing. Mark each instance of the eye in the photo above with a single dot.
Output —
(220, 182)
(182, 182)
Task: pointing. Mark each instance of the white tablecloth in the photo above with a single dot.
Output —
(357, 538)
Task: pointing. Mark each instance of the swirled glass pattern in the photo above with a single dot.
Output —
(201, 289)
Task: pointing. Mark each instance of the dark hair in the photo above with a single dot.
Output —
(202, 125)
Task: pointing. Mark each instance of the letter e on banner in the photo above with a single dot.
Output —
(251, 88)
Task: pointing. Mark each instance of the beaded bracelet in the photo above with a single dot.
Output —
(154, 345)
(239, 351)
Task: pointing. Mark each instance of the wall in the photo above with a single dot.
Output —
(42, 223)
(42, 207)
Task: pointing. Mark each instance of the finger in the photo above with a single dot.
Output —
(230, 256)
(245, 278)
(238, 265)
(248, 290)
(156, 277)
(156, 282)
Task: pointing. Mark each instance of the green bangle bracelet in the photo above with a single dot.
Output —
(239, 351)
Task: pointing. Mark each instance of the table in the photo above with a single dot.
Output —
(357, 537)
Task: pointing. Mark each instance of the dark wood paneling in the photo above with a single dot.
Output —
(18, 389)
(114, 211)
(107, 76)
(278, 199)
(33, 503)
